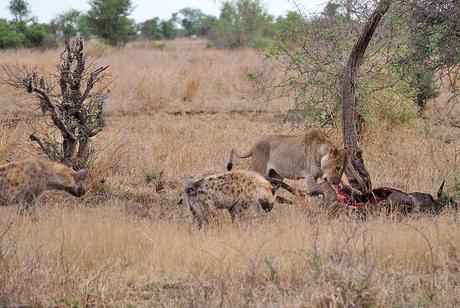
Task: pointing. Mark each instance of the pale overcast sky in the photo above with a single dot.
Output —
(45, 10)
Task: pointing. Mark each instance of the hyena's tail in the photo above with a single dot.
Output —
(237, 154)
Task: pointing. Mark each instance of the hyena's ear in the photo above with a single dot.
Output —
(348, 151)
(190, 187)
(80, 175)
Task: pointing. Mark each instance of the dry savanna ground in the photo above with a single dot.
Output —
(180, 108)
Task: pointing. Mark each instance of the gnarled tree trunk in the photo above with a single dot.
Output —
(76, 107)
(356, 171)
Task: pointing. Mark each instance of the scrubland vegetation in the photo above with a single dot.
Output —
(126, 244)
(176, 108)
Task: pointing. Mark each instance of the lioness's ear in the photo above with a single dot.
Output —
(80, 175)
(348, 151)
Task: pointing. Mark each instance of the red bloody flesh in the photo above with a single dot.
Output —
(345, 196)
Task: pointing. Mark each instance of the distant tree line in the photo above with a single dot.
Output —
(106, 19)
(23, 30)
(240, 23)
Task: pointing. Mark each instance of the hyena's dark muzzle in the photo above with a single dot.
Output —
(79, 192)
(265, 205)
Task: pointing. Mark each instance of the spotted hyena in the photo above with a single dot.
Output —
(21, 182)
(234, 191)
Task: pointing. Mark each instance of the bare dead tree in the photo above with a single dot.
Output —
(75, 108)
(356, 172)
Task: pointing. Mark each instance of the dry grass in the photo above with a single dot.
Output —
(126, 244)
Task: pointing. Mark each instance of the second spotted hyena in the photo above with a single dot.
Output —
(234, 191)
(21, 182)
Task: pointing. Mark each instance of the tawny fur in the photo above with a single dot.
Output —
(21, 182)
(308, 157)
(235, 191)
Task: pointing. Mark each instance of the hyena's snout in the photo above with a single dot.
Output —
(80, 191)
(266, 205)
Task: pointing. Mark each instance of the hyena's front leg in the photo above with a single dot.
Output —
(196, 211)
(234, 211)
(28, 208)
(26, 202)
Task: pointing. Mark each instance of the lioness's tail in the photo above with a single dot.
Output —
(235, 152)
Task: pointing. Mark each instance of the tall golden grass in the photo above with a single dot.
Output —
(124, 244)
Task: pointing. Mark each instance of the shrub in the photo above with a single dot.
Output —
(260, 42)
(20, 34)
(242, 23)
(35, 35)
(71, 23)
(75, 109)
(167, 29)
(150, 29)
(9, 36)
(109, 20)
(405, 55)
(194, 21)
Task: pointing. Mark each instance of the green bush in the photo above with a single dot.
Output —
(242, 23)
(156, 29)
(260, 42)
(50, 41)
(194, 22)
(23, 31)
(151, 29)
(421, 80)
(397, 75)
(109, 20)
(20, 34)
(9, 36)
(71, 23)
(167, 29)
(34, 35)
(428, 44)
(289, 29)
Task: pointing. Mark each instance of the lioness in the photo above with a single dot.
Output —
(308, 157)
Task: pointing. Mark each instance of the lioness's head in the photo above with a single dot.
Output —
(333, 164)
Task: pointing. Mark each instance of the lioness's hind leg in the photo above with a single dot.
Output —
(259, 165)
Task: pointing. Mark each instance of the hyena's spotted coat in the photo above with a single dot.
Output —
(21, 182)
(234, 191)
